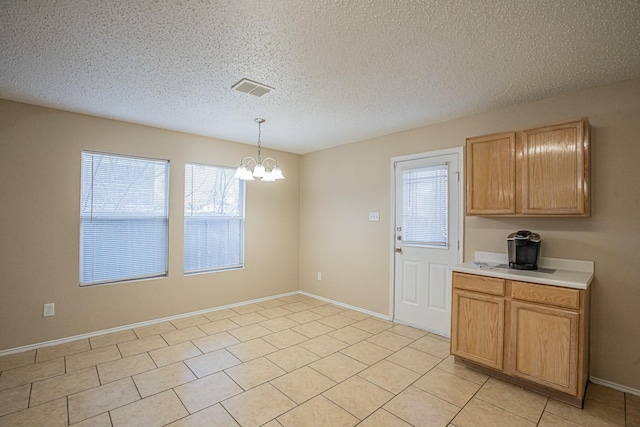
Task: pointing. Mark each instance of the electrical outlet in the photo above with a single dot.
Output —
(49, 310)
(374, 216)
(319, 276)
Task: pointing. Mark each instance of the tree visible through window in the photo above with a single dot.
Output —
(213, 219)
(123, 218)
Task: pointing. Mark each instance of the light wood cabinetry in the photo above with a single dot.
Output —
(491, 174)
(534, 335)
(549, 295)
(543, 171)
(544, 345)
(478, 320)
(555, 170)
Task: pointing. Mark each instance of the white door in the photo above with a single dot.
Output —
(427, 235)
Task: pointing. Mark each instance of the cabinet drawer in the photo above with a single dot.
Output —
(486, 285)
(550, 295)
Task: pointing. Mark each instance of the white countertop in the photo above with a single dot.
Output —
(552, 271)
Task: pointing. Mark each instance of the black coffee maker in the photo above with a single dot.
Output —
(524, 250)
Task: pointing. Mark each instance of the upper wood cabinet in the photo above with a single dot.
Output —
(491, 174)
(555, 170)
(535, 172)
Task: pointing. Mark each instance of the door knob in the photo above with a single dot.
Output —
(398, 250)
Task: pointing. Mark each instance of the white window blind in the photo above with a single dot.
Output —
(213, 219)
(425, 206)
(123, 218)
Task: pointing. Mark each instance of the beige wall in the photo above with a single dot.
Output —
(315, 220)
(340, 186)
(39, 227)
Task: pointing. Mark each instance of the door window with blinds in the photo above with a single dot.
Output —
(123, 218)
(425, 216)
(213, 219)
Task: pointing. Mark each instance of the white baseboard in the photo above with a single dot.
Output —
(615, 386)
(431, 331)
(350, 307)
(135, 325)
(36, 346)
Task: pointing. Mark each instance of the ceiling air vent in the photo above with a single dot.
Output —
(254, 88)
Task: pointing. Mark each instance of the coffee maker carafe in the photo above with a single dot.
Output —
(524, 249)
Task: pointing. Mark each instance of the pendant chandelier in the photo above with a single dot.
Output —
(263, 169)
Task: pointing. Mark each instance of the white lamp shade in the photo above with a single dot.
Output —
(277, 173)
(243, 173)
(268, 176)
(258, 171)
(240, 172)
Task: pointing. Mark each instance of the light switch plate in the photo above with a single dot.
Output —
(374, 216)
(49, 310)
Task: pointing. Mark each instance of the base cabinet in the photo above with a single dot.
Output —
(479, 326)
(534, 334)
(543, 345)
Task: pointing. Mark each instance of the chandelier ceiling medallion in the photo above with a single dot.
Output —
(263, 169)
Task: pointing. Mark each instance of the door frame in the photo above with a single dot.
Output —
(456, 150)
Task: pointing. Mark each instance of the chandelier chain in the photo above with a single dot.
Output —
(259, 145)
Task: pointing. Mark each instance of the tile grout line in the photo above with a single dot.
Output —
(354, 375)
(471, 398)
(543, 411)
(306, 365)
(412, 384)
(512, 413)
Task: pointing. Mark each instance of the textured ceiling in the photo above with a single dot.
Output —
(343, 70)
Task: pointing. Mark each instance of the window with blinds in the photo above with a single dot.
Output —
(123, 218)
(213, 219)
(425, 216)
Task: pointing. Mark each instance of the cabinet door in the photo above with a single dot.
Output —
(490, 174)
(555, 173)
(544, 345)
(477, 328)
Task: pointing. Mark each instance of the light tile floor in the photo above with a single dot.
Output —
(291, 361)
